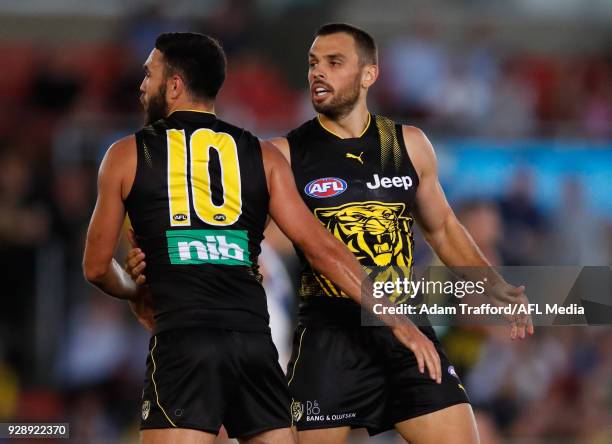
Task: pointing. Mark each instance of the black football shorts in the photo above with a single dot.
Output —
(200, 378)
(363, 377)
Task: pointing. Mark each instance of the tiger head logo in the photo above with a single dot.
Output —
(146, 408)
(297, 410)
(377, 233)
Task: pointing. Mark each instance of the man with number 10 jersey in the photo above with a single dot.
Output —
(194, 154)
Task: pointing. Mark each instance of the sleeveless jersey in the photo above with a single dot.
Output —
(198, 206)
(363, 190)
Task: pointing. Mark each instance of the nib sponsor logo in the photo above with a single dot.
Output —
(193, 247)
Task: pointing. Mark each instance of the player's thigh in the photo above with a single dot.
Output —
(454, 424)
(188, 382)
(335, 435)
(176, 436)
(259, 410)
(276, 436)
(335, 380)
(414, 394)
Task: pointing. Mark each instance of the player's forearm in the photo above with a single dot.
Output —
(338, 264)
(111, 279)
(454, 245)
(457, 250)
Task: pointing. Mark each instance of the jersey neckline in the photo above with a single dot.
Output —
(365, 130)
(196, 112)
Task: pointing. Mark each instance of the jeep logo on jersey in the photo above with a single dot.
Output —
(193, 247)
(325, 187)
(404, 182)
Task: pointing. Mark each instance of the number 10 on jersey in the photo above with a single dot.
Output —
(190, 175)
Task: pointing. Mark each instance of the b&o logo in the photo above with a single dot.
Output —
(312, 408)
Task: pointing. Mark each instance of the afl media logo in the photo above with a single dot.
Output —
(325, 187)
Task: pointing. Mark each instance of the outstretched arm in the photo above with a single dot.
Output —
(441, 228)
(447, 236)
(99, 266)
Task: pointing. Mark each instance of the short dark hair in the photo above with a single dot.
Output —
(199, 59)
(366, 46)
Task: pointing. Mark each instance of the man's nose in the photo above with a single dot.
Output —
(317, 73)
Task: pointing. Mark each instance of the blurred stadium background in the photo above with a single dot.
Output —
(515, 95)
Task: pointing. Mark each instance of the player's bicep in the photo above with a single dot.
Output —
(432, 209)
(108, 216)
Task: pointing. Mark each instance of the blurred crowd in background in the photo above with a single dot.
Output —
(69, 353)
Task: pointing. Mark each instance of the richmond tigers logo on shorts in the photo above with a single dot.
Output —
(297, 410)
(377, 233)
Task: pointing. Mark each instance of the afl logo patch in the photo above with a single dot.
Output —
(325, 187)
(219, 217)
(179, 217)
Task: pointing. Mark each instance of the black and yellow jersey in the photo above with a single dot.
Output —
(198, 206)
(363, 190)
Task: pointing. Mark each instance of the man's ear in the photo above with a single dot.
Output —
(370, 74)
(175, 87)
